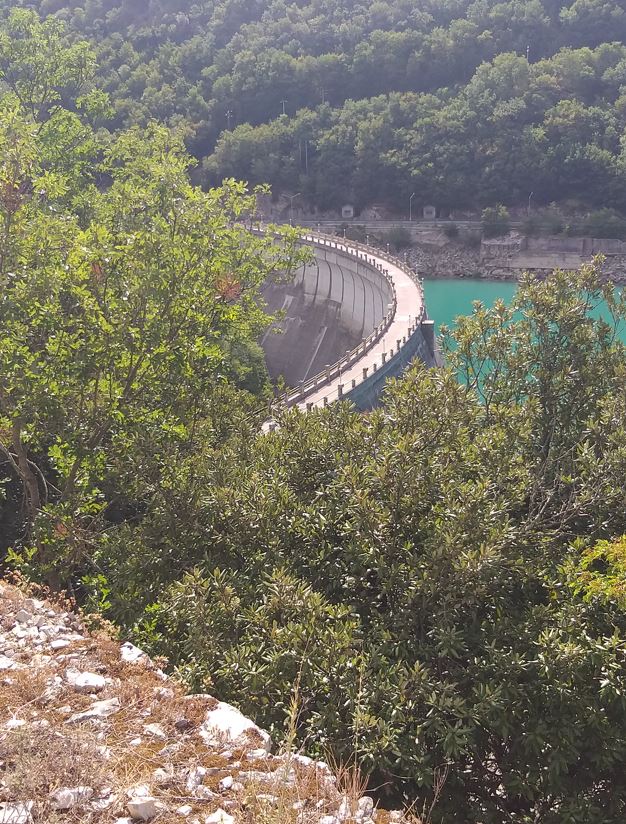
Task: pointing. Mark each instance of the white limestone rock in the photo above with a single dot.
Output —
(204, 792)
(19, 812)
(365, 808)
(98, 710)
(156, 731)
(68, 797)
(226, 783)
(195, 777)
(6, 663)
(14, 724)
(59, 643)
(220, 816)
(144, 808)
(225, 721)
(163, 776)
(131, 654)
(85, 682)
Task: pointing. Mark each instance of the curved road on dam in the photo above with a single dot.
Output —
(382, 346)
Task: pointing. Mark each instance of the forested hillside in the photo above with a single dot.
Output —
(464, 103)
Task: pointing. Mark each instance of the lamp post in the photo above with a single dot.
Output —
(411, 206)
(529, 199)
(291, 200)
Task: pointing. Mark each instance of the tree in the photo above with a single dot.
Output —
(38, 66)
(495, 221)
(111, 296)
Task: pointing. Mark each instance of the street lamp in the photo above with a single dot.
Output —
(529, 199)
(291, 200)
(411, 206)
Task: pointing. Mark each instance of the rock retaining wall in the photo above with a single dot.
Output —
(508, 258)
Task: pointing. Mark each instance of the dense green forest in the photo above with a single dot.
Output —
(436, 587)
(465, 103)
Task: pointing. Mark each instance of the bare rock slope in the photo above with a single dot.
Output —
(92, 731)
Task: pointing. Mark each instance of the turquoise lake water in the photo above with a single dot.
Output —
(446, 299)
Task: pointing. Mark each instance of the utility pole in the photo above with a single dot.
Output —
(529, 199)
(284, 102)
(411, 206)
(527, 52)
(229, 114)
(323, 96)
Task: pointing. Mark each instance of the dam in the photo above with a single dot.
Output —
(352, 318)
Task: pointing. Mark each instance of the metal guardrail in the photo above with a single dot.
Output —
(362, 253)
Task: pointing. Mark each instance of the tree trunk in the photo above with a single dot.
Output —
(29, 479)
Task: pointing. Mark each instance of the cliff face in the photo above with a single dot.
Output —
(92, 731)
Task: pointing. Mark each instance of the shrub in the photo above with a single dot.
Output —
(605, 223)
(495, 221)
(398, 238)
(472, 239)
(408, 569)
(451, 230)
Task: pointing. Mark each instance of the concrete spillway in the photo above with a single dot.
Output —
(352, 318)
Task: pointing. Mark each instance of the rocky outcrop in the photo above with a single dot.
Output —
(93, 731)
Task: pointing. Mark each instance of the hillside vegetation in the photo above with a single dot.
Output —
(434, 590)
(464, 103)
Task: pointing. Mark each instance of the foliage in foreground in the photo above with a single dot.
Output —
(129, 305)
(420, 572)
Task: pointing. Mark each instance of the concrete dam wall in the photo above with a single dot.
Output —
(352, 318)
(331, 305)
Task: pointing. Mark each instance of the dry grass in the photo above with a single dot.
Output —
(48, 753)
(37, 762)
